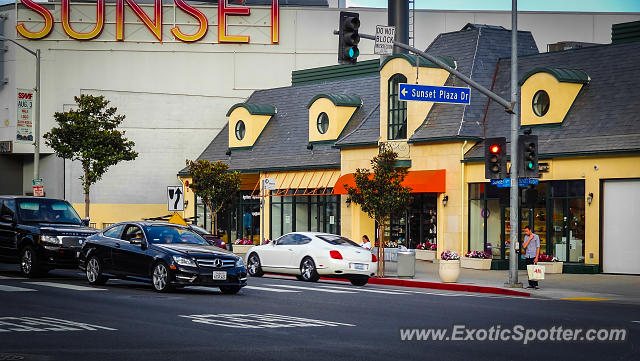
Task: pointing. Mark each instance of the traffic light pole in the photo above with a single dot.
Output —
(514, 207)
(511, 108)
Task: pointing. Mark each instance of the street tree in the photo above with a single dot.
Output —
(89, 135)
(213, 183)
(380, 194)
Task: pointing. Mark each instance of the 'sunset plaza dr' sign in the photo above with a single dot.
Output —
(154, 26)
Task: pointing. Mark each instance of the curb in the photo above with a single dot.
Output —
(447, 286)
(431, 285)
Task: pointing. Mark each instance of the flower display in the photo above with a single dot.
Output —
(391, 244)
(427, 246)
(244, 241)
(449, 256)
(478, 254)
(543, 257)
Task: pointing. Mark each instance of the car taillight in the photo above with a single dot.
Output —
(335, 255)
(374, 258)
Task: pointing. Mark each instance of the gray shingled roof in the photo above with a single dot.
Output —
(604, 117)
(283, 143)
(476, 49)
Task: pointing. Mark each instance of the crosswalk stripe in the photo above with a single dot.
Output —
(268, 289)
(66, 286)
(311, 289)
(11, 278)
(14, 289)
(362, 289)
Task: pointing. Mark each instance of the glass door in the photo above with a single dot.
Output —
(559, 230)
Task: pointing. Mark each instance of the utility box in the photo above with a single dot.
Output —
(406, 263)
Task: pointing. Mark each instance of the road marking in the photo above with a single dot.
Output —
(14, 289)
(66, 286)
(311, 289)
(28, 324)
(361, 289)
(256, 321)
(586, 299)
(268, 289)
(635, 321)
(11, 278)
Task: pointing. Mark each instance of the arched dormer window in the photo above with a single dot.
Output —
(397, 115)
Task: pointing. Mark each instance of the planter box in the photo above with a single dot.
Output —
(475, 263)
(449, 271)
(241, 248)
(425, 255)
(552, 267)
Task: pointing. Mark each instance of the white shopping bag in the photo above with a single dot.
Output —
(536, 272)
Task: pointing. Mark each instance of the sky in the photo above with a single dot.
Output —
(524, 5)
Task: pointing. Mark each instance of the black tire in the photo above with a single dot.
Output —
(254, 268)
(161, 277)
(29, 262)
(359, 281)
(93, 271)
(230, 290)
(308, 271)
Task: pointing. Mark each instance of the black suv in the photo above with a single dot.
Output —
(41, 233)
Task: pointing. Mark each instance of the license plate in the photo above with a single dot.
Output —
(219, 275)
(359, 266)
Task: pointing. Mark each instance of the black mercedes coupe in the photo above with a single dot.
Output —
(165, 254)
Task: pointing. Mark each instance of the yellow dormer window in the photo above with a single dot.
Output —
(547, 94)
(329, 114)
(246, 123)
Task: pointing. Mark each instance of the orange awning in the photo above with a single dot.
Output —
(420, 181)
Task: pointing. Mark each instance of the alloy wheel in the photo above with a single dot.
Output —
(27, 261)
(308, 269)
(160, 277)
(254, 266)
(93, 270)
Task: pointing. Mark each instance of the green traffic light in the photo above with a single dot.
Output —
(530, 165)
(353, 52)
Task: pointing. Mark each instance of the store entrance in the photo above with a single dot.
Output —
(418, 224)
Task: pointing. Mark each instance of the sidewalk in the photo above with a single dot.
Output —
(576, 287)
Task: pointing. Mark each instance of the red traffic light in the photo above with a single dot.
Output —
(494, 149)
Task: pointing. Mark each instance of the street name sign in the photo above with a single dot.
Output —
(436, 94)
(175, 199)
(385, 35)
(522, 182)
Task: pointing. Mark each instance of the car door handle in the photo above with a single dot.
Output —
(117, 245)
(290, 249)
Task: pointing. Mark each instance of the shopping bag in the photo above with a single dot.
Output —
(536, 272)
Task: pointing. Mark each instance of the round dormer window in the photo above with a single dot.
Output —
(541, 103)
(240, 130)
(323, 123)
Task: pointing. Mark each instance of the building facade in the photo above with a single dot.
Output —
(312, 136)
(175, 68)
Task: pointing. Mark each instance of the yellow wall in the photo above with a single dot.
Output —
(338, 118)
(254, 125)
(101, 213)
(608, 167)
(416, 111)
(561, 97)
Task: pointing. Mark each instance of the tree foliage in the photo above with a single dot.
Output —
(213, 182)
(90, 135)
(380, 192)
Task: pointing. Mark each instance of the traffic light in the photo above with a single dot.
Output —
(495, 158)
(528, 150)
(348, 38)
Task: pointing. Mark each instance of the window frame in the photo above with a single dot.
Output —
(319, 122)
(535, 105)
(396, 109)
(243, 130)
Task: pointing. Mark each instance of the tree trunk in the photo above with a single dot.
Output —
(380, 250)
(86, 192)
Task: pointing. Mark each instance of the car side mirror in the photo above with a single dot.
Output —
(85, 222)
(6, 218)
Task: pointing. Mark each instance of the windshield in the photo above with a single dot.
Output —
(338, 240)
(173, 235)
(47, 211)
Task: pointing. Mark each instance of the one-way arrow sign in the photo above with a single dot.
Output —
(436, 94)
(175, 200)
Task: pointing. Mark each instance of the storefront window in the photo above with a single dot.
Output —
(397, 116)
(313, 213)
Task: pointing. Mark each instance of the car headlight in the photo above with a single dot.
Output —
(239, 262)
(184, 261)
(50, 239)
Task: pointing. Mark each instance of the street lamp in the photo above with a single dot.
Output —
(36, 125)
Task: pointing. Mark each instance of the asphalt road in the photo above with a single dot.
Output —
(61, 317)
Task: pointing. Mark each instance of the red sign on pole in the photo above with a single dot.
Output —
(38, 191)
